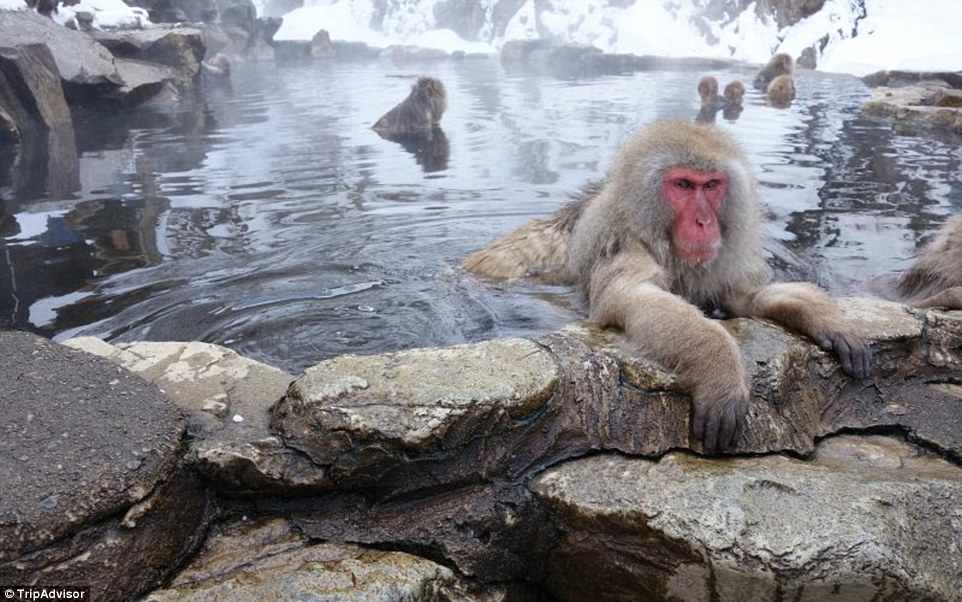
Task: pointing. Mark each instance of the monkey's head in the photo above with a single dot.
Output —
(781, 91)
(430, 93)
(734, 92)
(783, 62)
(707, 88)
(685, 189)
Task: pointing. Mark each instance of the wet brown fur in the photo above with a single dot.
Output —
(781, 91)
(614, 245)
(780, 64)
(418, 113)
(935, 279)
(733, 94)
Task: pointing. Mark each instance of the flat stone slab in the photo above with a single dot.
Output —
(79, 58)
(868, 518)
(414, 399)
(227, 398)
(927, 105)
(82, 439)
(270, 561)
(214, 385)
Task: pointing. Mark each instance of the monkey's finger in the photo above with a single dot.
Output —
(844, 355)
(729, 428)
(866, 361)
(700, 424)
(824, 343)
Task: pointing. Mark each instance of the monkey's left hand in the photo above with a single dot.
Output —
(852, 349)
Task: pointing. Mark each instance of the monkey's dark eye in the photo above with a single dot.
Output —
(711, 183)
(684, 184)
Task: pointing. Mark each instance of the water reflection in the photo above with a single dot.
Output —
(270, 218)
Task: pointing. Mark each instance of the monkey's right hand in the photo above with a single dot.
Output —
(718, 412)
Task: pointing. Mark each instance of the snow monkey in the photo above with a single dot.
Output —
(218, 65)
(708, 92)
(935, 279)
(780, 64)
(673, 231)
(733, 94)
(417, 113)
(781, 91)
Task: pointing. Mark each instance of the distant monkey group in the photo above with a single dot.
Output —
(774, 79)
(729, 102)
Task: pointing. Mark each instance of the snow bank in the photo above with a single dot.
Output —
(893, 34)
(108, 14)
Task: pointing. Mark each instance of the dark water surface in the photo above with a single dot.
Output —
(270, 219)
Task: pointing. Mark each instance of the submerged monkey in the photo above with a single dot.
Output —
(675, 228)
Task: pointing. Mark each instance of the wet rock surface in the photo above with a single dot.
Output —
(271, 561)
(94, 492)
(926, 105)
(564, 464)
(769, 528)
(227, 398)
(80, 60)
(180, 48)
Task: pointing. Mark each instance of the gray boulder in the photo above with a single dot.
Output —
(930, 105)
(94, 491)
(31, 96)
(272, 561)
(80, 60)
(865, 519)
(180, 48)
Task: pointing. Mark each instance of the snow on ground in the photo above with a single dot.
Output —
(894, 34)
(922, 35)
(108, 14)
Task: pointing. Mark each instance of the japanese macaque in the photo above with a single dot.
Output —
(217, 65)
(935, 279)
(781, 91)
(780, 64)
(417, 113)
(672, 232)
(708, 92)
(711, 102)
(733, 94)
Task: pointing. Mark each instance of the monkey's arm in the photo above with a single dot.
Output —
(666, 328)
(950, 298)
(807, 309)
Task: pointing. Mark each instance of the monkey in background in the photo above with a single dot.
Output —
(781, 91)
(734, 93)
(711, 102)
(675, 230)
(708, 92)
(935, 279)
(780, 64)
(418, 113)
(218, 65)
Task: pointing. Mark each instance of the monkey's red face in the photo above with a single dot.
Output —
(695, 198)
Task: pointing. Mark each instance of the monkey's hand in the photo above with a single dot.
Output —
(852, 349)
(719, 406)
